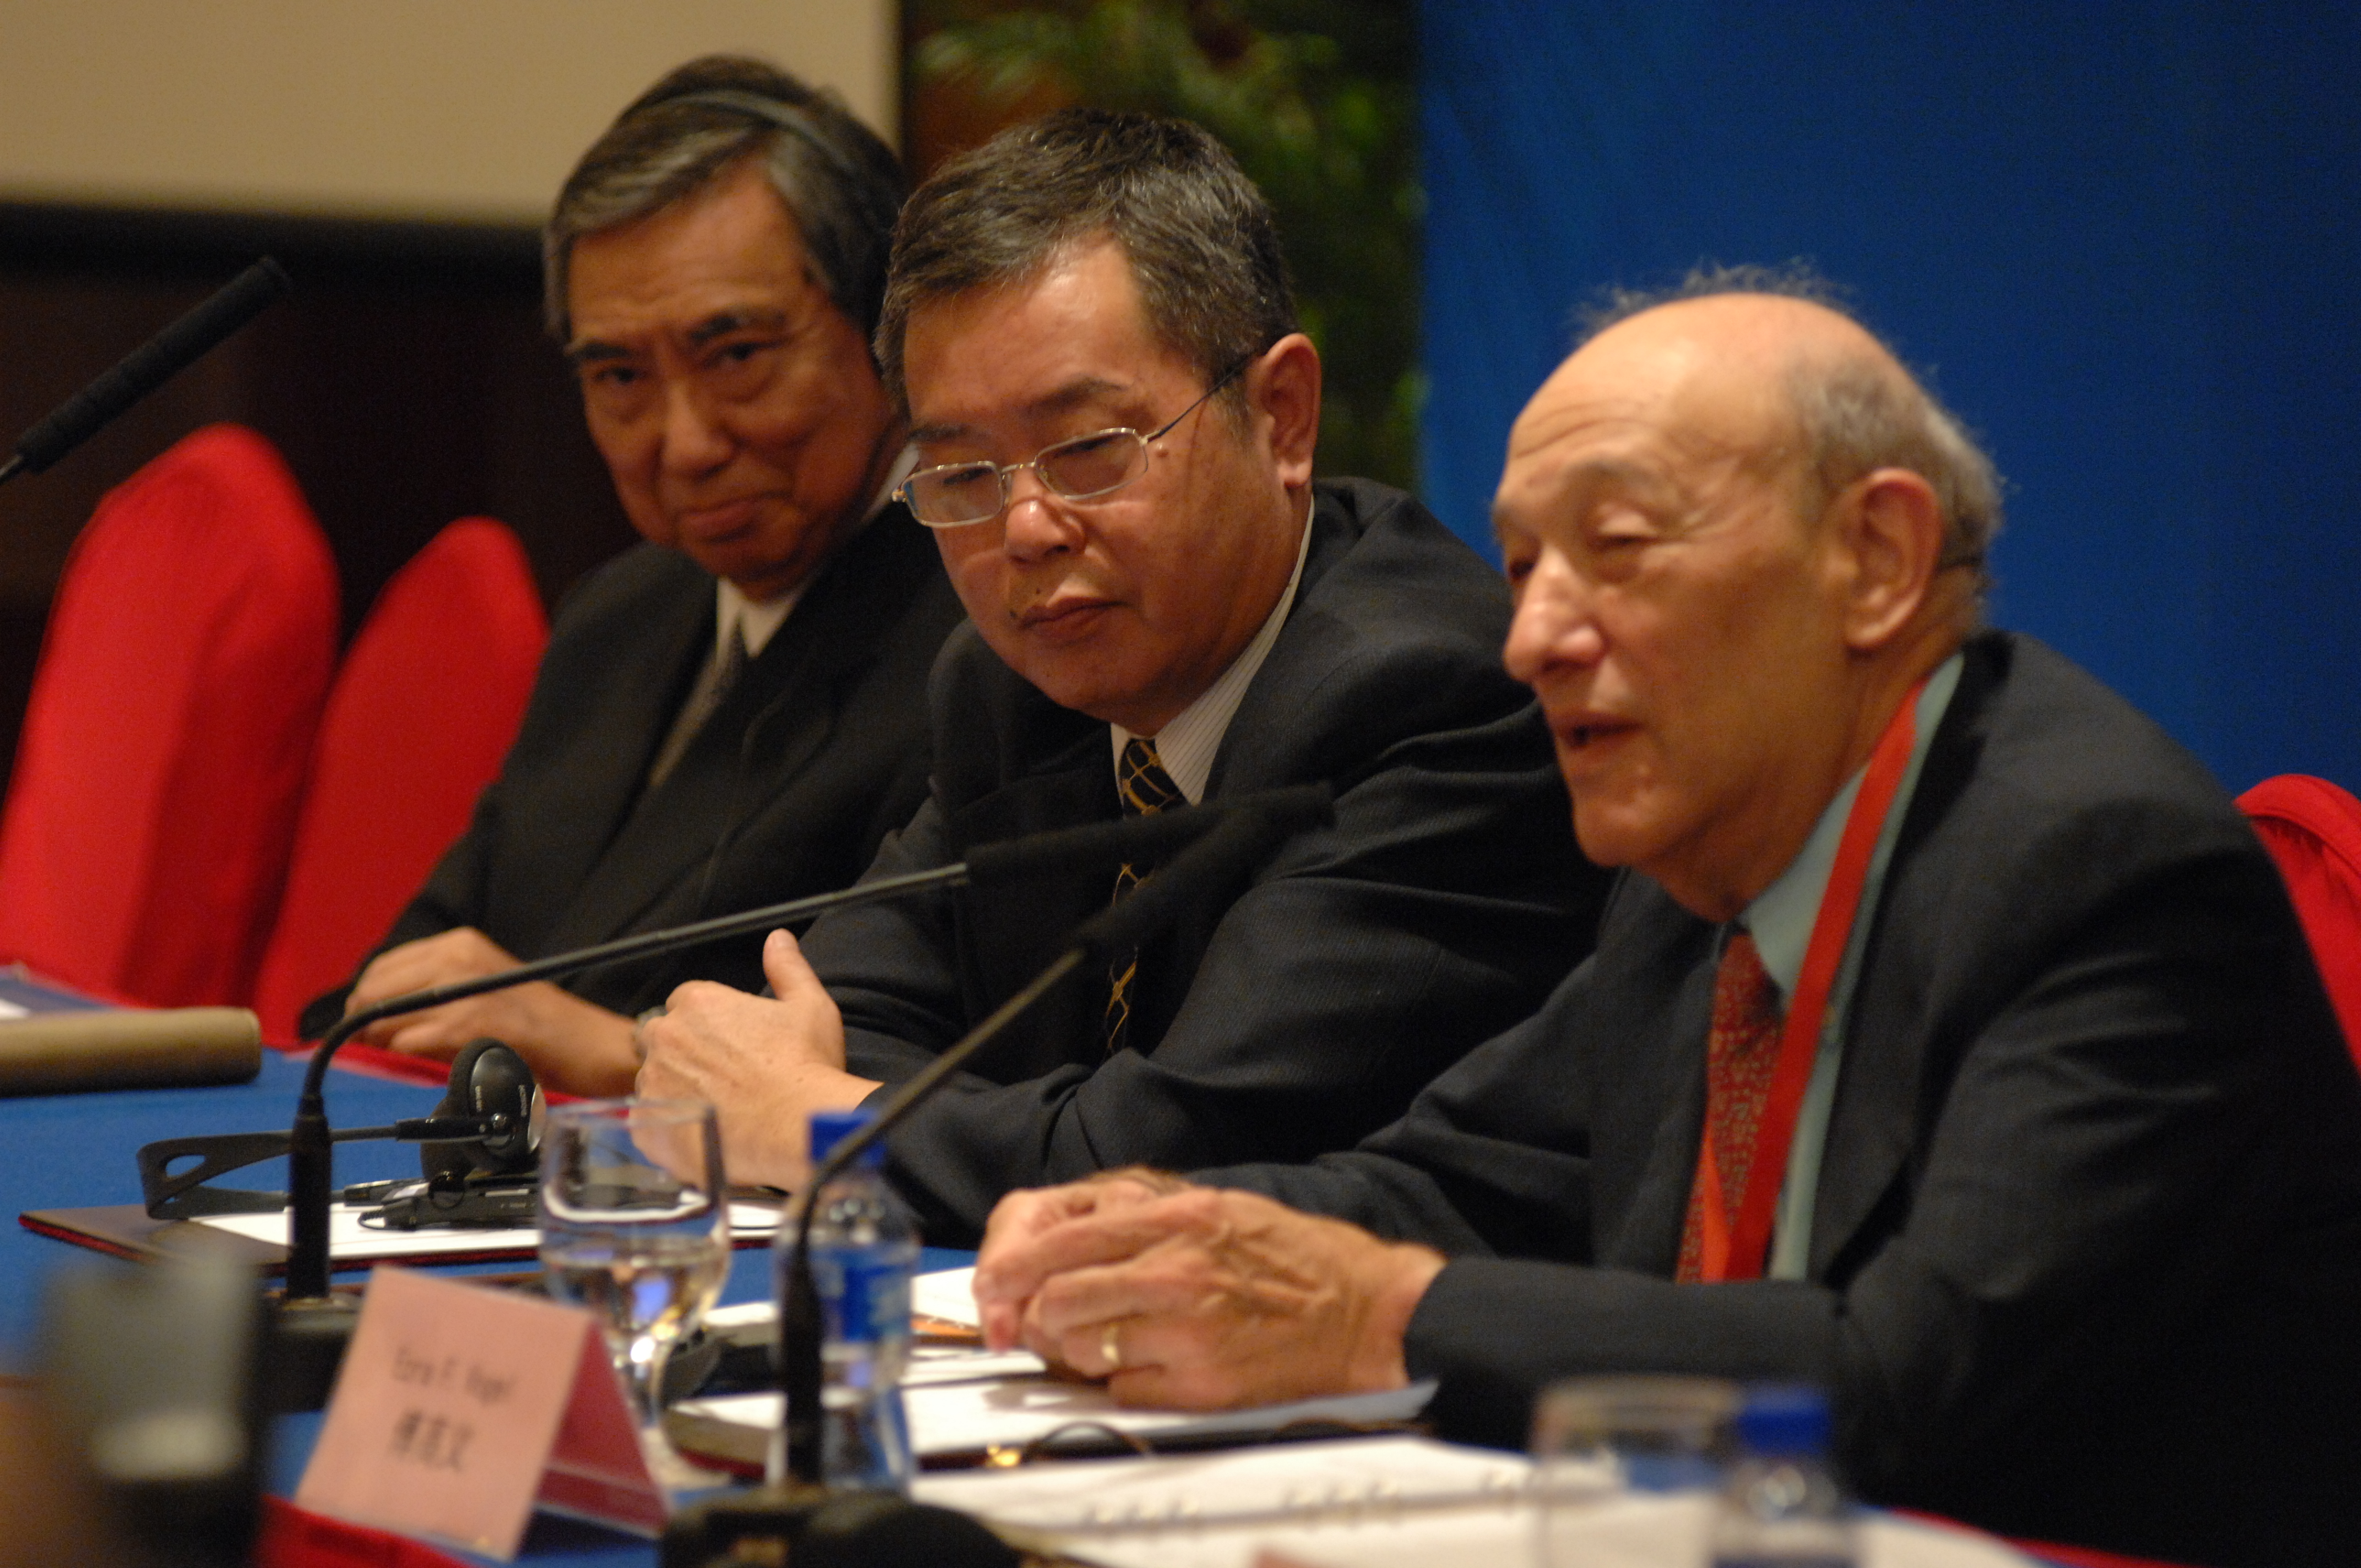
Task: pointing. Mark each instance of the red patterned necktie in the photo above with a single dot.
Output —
(1742, 1050)
(1144, 789)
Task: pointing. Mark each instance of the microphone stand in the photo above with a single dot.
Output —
(148, 367)
(311, 1312)
(309, 1175)
(312, 1325)
(1236, 846)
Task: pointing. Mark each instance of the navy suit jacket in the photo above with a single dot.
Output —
(817, 753)
(1292, 1014)
(2087, 1258)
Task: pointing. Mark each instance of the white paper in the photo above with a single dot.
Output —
(1369, 1503)
(948, 1294)
(969, 1417)
(933, 1364)
(1235, 1486)
(351, 1241)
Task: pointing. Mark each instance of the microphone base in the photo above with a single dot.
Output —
(303, 1348)
(796, 1521)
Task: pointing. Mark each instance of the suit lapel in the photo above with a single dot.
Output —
(597, 779)
(1012, 931)
(773, 725)
(1874, 1125)
(1265, 744)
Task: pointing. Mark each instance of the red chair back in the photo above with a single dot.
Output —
(146, 827)
(2313, 830)
(423, 710)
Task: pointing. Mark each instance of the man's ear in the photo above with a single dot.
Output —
(1284, 387)
(1891, 525)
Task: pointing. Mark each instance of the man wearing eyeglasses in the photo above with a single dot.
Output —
(1089, 323)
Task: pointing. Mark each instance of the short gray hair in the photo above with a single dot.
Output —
(842, 185)
(1200, 239)
(1855, 415)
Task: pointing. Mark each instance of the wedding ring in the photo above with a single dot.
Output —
(1111, 1347)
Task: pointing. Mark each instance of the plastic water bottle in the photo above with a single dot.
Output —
(1781, 1508)
(864, 1249)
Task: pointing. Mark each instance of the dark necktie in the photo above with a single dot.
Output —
(705, 698)
(1742, 1050)
(1145, 788)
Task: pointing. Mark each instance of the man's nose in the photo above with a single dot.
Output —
(1556, 624)
(1037, 522)
(697, 438)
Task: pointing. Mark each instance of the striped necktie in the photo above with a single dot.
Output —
(1145, 788)
(1742, 1050)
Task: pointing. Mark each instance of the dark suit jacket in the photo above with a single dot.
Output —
(815, 756)
(1280, 1018)
(2087, 1259)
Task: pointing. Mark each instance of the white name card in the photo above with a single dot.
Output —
(460, 1406)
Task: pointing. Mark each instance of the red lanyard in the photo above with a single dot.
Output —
(1737, 1252)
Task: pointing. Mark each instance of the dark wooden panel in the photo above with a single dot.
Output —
(406, 380)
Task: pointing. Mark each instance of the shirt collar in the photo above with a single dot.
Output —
(758, 619)
(1781, 917)
(1187, 745)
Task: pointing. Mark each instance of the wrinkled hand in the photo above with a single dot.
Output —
(1215, 1299)
(1000, 1296)
(765, 1063)
(571, 1045)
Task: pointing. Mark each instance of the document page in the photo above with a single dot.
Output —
(349, 1240)
(968, 1402)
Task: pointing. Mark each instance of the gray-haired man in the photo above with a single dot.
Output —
(731, 714)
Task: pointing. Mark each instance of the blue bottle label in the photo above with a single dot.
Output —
(867, 1297)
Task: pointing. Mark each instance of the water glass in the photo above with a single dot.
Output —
(635, 1226)
(1596, 1437)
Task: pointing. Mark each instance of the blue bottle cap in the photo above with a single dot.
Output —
(1784, 1420)
(830, 1128)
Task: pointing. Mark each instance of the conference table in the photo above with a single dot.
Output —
(76, 1151)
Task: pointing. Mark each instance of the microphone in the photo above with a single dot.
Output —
(487, 1128)
(1255, 827)
(149, 366)
(309, 1142)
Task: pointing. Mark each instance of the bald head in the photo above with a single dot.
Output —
(1851, 405)
(1723, 591)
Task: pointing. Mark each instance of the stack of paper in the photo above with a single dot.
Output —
(1369, 1503)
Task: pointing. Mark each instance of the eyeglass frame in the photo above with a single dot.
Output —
(1006, 472)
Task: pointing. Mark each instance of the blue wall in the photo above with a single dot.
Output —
(2124, 240)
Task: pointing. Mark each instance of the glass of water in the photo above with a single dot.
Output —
(635, 1226)
(1597, 1439)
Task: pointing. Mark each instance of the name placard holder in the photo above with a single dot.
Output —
(459, 1408)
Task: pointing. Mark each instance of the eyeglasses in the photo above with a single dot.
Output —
(952, 495)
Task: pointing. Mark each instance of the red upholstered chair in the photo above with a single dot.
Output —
(423, 710)
(2313, 830)
(180, 678)
(2086, 1556)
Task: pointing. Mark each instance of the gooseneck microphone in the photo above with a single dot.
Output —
(149, 366)
(309, 1174)
(1254, 828)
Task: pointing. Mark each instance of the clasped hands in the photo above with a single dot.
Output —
(1197, 1298)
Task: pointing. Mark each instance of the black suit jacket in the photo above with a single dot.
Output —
(1279, 1018)
(2087, 1258)
(815, 755)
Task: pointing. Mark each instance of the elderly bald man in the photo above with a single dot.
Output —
(1949, 1042)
